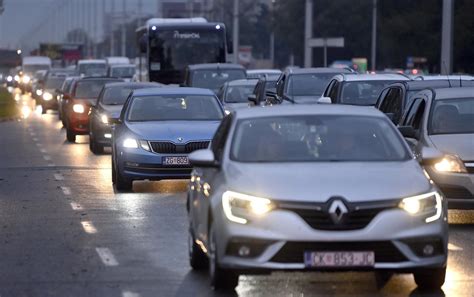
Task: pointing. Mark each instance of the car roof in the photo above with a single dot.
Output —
(302, 109)
(132, 84)
(243, 82)
(451, 77)
(216, 66)
(89, 78)
(318, 70)
(418, 85)
(121, 65)
(92, 61)
(454, 93)
(173, 91)
(264, 71)
(372, 77)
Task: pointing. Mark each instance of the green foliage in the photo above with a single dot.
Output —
(7, 104)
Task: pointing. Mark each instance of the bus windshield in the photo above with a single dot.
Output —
(174, 49)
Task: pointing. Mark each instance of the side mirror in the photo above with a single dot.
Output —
(324, 100)
(408, 132)
(252, 100)
(203, 158)
(430, 156)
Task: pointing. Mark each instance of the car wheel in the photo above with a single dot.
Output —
(197, 258)
(221, 279)
(70, 135)
(95, 148)
(114, 172)
(430, 279)
(122, 184)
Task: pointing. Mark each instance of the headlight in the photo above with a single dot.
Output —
(39, 92)
(17, 78)
(9, 78)
(130, 143)
(78, 108)
(144, 145)
(104, 119)
(450, 163)
(430, 204)
(239, 207)
(48, 96)
(26, 79)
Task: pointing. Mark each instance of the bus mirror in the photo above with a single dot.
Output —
(230, 46)
(143, 43)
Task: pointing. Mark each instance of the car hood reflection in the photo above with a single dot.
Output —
(457, 144)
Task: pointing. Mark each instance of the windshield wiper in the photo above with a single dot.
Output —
(286, 98)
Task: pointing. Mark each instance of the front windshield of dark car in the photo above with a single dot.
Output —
(90, 89)
(317, 138)
(362, 92)
(214, 79)
(116, 95)
(308, 84)
(175, 108)
(453, 116)
(126, 72)
(239, 94)
(54, 83)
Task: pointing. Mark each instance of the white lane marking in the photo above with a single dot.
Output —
(58, 176)
(47, 157)
(66, 190)
(32, 133)
(107, 257)
(76, 206)
(39, 144)
(454, 248)
(43, 151)
(50, 165)
(35, 139)
(89, 227)
(130, 294)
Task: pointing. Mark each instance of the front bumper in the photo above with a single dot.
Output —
(282, 237)
(102, 134)
(458, 188)
(78, 122)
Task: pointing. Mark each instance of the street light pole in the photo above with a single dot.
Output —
(374, 35)
(111, 25)
(236, 31)
(308, 34)
(124, 33)
(447, 38)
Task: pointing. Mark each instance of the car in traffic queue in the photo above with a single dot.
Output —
(77, 104)
(91, 68)
(444, 119)
(302, 85)
(212, 76)
(394, 99)
(65, 92)
(282, 189)
(259, 73)
(266, 86)
(126, 72)
(50, 93)
(234, 94)
(158, 129)
(107, 111)
(360, 89)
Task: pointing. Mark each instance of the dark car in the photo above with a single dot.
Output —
(394, 99)
(157, 130)
(212, 76)
(234, 94)
(266, 85)
(107, 110)
(303, 85)
(360, 89)
(49, 96)
(78, 103)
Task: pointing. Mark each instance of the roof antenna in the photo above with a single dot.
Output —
(447, 74)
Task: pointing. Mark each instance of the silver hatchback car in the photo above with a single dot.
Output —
(326, 188)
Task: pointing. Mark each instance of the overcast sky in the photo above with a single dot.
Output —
(26, 22)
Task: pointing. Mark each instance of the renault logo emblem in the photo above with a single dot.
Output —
(337, 210)
(180, 139)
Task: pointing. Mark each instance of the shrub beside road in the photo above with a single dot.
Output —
(8, 108)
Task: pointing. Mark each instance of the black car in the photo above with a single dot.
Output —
(107, 110)
(212, 76)
(49, 96)
(395, 98)
(266, 85)
(302, 85)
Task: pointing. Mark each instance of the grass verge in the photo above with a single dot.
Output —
(7, 105)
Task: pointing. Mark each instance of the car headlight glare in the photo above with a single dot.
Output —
(130, 143)
(78, 108)
(17, 78)
(25, 79)
(39, 92)
(450, 163)
(239, 207)
(47, 96)
(104, 119)
(429, 204)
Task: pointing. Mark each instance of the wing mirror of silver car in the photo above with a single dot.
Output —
(203, 158)
(324, 100)
(430, 156)
(252, 100)
(408, 132)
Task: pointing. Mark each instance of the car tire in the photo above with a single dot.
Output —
(221, 279)
(94, 147)
(430, 279)
(43, 110)
(122, 184)
(114, 172)
(197, 258)
(70, 135)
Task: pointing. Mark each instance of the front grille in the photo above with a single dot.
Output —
(470, 169)
(293, 252)
(171, 148)
(456, 192)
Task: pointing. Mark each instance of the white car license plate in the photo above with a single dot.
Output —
(175, 161)
(340, 259)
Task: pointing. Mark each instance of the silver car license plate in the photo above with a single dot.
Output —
(340, 259)
(168, 161)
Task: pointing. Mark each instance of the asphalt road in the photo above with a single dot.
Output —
(64, 232)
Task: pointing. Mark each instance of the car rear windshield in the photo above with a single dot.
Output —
(90, 89)
(118, 95)
(453, 116)
(239, 94)
(214, 79)
(308, 84)
(125, 71)
(362, 92)
(93, 69)
(175, 108)
(54, 83)
(309, 138)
